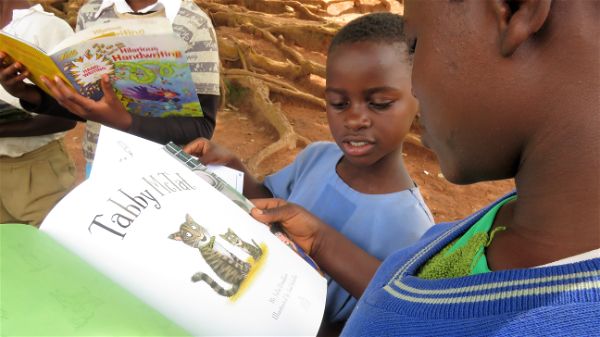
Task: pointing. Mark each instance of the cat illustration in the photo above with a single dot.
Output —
(226, 265)
(251, 249)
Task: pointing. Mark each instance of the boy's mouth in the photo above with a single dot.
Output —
(357, 147)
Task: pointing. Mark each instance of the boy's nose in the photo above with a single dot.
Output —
(357, 117)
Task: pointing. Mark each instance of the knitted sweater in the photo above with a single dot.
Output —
(559, 300)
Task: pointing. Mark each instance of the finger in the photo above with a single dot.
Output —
(273, 211)
(70, 99)
(9, 72)
(195, 147)
(17, 79)
(71, 95)
(267, 203)
(107, 89)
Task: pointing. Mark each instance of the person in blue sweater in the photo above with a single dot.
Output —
(361, 177)
(506, 89)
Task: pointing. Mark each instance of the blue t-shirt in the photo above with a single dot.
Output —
(378, 223)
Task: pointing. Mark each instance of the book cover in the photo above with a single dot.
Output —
(145, 60)
(169, 238)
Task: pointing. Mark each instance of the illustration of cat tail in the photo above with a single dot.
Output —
(216, 287)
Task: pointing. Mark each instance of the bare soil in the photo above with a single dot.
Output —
(246, 134)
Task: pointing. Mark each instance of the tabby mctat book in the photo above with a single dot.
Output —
(144, 59)
(148, 247)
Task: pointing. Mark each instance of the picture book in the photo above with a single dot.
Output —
(180, 248)
(116, 147)
(144, 59)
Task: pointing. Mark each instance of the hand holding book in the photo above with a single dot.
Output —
(108, 110)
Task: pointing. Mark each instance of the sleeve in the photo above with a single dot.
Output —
(194, 27)
(281, 183)
(180, 130)
(54, 31)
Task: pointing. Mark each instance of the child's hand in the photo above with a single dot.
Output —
(302, 227)
(12, 75)
(108, 110)
(209, 152)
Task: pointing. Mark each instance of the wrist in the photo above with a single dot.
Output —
(320, 244)
(30, 94)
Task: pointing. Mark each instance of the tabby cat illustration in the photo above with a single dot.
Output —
(251, 249)
(226, 265)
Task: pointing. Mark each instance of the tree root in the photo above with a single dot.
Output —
(257, 98)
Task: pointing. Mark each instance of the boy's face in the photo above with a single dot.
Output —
(369, 103)
(464, 89)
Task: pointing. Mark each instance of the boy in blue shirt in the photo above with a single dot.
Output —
(506, 89)
(362, 178)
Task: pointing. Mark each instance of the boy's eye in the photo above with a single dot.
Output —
(380, 105)
(338, 105)
(412, 46)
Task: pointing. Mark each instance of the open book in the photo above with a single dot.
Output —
(177, 255)
(145, 60)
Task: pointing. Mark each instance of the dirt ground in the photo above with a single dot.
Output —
(246, 134)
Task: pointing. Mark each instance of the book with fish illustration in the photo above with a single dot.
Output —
(147, 65)
(194, 260)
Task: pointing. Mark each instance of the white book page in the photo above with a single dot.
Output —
(116, 147)
(123, 223)
(116, 27)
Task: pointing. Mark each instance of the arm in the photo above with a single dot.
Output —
(211, 153)
(340, 258)
(179, 130)
(110, 112)
(37, 126)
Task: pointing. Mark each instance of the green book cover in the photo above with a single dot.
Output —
(47, 291)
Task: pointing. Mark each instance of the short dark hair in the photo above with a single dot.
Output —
(375, 27)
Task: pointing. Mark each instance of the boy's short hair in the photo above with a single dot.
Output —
(375, 27)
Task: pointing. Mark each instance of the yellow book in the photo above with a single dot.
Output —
(143, 58)
(33, 58)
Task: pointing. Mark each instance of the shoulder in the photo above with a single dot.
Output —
(190, 14)
(319, 149)
(50, 24)
(318, 154)
(87, 13)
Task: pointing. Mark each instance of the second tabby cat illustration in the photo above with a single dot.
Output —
(224, 263)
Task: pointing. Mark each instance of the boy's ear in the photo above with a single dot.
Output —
(518, 20)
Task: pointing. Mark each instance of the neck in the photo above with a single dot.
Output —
(388, 175)
(557, 213)
(136, 5)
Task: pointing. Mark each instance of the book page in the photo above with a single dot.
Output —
(115, 147)
(188, 251)
(116, 27)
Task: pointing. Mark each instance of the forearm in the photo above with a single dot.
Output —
(349, 265)
(47, 105)
(179, 130)
(37, 126)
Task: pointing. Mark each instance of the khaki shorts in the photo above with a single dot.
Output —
(32, 184)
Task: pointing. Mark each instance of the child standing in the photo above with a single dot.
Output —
(35, 168)
(529, 264)
(193, 26)
(359, 184)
